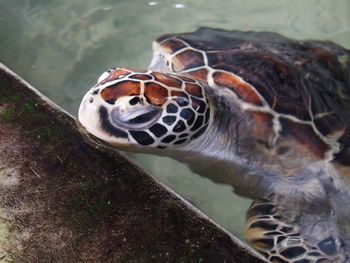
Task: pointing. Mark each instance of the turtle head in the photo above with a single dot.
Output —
(133, 109)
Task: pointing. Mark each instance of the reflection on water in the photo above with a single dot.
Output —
(62, 46)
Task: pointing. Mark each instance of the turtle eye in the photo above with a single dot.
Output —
(134, 101)
(136, 117)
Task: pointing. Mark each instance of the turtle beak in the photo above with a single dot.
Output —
(95, 119)
(88, 113)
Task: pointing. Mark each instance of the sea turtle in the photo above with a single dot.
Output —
(264, 113)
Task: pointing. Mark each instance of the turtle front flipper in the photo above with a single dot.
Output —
(282, 235)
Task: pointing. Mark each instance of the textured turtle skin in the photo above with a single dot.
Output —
(305, 87)
(309, 80)
(264, 113)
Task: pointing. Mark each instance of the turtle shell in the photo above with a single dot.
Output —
(305, 83)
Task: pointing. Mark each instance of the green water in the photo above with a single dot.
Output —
(62, 46)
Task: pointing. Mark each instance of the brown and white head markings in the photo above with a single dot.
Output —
(145, 108)
(259, 111)
(246, 91)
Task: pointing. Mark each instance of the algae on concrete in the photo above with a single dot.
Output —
(66, 198)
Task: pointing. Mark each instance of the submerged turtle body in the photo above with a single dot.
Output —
(272, 113)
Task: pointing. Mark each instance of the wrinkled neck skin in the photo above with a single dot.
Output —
(229, 153)
(220, 153)
(225, 152)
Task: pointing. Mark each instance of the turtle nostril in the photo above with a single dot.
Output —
(91, 100)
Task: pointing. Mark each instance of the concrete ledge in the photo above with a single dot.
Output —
(66, 198)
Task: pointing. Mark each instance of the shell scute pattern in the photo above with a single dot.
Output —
(200, 74)
(187, 59)
(275, 113)
(263, 72)
(241, 88)
(306, 83)
(172, 45)
(305, 135)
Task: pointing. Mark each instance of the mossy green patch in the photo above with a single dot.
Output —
(46, 134)
(15, 108)
(6, 232)
(9, 97)
(8, 113)
(90, 203)
(76, 202)
(28, 107)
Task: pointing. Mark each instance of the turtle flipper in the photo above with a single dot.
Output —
(283, 236)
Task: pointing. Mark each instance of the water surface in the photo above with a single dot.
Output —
(62, 46)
